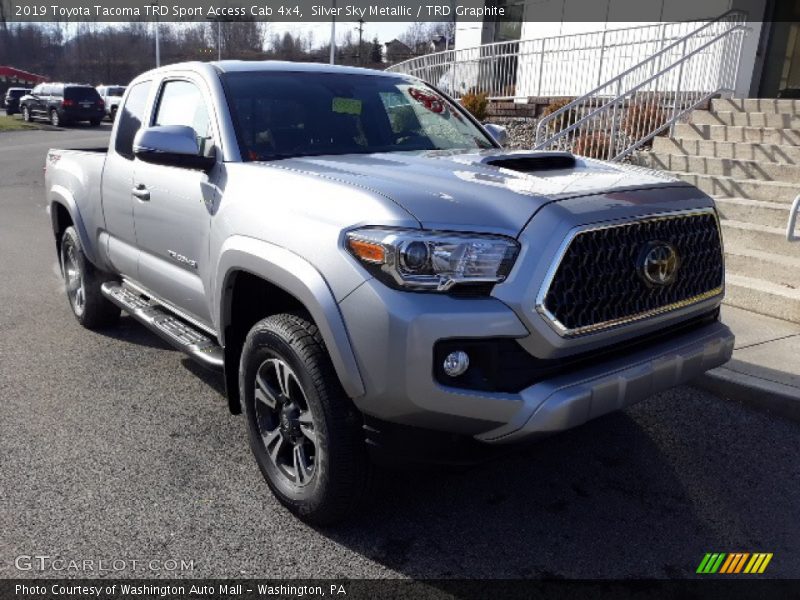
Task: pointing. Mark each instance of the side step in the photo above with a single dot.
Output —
(180, 334)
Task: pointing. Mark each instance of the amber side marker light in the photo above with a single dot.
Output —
(367, 251)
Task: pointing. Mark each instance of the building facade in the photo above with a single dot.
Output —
(607, 36)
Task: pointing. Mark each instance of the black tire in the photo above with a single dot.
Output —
(340, 476)
(83, 281)
(94, 122)
(55, 120)
(112, 114)
(26, 114)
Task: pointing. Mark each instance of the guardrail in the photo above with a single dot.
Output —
(627, 111)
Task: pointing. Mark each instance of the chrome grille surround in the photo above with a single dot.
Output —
(704, 217)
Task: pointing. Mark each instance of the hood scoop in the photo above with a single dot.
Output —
(530, 162)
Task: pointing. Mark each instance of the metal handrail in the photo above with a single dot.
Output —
(564, 65)
(412, 63)
(600, 124)
(790, 226)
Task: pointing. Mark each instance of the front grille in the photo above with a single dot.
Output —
(599, 284)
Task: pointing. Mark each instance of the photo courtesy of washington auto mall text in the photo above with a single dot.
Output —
(425, 299)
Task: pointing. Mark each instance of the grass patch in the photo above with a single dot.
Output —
(14, 124)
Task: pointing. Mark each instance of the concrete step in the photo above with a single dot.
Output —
(739, 235)
(771, 214)
(757, 264)
(763, 105)
(753, 189)
(728, 133)
(737, 150)
(745, 119)
(763, 297)
(723, 167)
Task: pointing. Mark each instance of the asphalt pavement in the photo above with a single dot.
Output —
(115, 447)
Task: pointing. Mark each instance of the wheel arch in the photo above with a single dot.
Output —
(293, 283)
(64, 213)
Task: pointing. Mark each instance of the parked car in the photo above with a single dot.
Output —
(112, 96)
(11, 100)
(371, 271)
(63, 103)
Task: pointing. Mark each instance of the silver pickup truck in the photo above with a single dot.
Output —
(373, 272)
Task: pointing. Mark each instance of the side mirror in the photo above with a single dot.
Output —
(171, 145)
(498, 132)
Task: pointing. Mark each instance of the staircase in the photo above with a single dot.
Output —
(746, 154)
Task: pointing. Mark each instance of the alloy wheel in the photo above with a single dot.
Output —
(285, 422)
(76, 290)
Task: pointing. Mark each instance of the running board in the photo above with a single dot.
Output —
(157, 319)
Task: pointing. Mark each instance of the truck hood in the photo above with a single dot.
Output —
(491, 190)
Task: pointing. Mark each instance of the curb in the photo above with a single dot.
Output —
(762, 394)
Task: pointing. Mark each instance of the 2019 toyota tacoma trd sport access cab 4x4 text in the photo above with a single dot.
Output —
(366, 264)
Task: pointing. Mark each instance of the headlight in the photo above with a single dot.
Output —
(425, 260)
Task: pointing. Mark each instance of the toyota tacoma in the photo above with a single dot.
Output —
(369, 269)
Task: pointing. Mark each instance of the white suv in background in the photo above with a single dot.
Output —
(112, 96)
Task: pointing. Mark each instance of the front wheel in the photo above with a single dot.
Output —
(26, 114)
(83, 281)
(304, 431)
(55, 120)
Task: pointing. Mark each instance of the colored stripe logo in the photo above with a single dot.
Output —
(733, 563)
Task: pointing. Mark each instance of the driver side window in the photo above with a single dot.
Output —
(182, 103)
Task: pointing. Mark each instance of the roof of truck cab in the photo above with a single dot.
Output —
(259, 66)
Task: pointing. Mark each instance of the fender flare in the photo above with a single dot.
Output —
(301, 279)
(61, 195)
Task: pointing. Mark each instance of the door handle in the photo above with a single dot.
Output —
(141, 192)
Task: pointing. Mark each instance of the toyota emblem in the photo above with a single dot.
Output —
(659, 263)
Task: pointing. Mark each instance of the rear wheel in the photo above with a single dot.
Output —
(304, 431)
(26, 114)
(55, 120)
(83, 281)
(113, 113)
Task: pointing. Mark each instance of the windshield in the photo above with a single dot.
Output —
(287, 114)
(17, 93)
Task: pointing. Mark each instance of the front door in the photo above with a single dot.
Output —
(173, 208)
(39, 106)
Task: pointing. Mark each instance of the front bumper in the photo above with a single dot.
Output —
(393, 334)
(81, 114)
(571, 400)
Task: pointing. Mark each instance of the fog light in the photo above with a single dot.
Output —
(456, 363)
